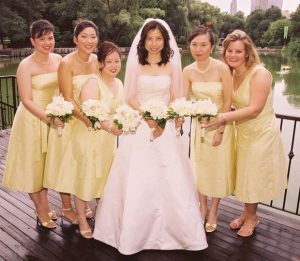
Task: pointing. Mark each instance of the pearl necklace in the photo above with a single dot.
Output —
(82, 61)
(38, 61)
(206, 69)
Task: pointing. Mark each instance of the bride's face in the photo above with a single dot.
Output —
(154, 42)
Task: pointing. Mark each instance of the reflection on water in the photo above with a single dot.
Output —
(286, 87)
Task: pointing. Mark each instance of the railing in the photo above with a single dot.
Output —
(288, 124)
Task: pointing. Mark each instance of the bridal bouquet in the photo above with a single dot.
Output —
(180, 108)
(97, 111)
(155, 110)
(61, 109)
(127, 119)
(204, 110)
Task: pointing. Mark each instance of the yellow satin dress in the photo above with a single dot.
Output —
(213, 166)
(24, 169)
(261, 166)
(88, 155)
(57, 145)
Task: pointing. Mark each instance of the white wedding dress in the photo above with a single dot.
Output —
(150, 201)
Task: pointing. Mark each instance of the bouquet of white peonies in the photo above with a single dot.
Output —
(180, 108)
(61, 109)
(127, 119)
(155, 110)
(96, 110)
(204, 110)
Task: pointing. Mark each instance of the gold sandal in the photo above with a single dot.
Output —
(249, 228)
(52, 215)
(209, 228)
(63, 212)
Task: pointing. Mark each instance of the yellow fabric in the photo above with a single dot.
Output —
(87, 156)
(28, 140)
(261, 167)
(213, 166)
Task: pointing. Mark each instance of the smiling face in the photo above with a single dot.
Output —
(235, 54)
(154, 42)
(112, 64)
(86, 40)
(201, 47)
(43, 44)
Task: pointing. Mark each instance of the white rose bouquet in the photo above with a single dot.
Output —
(97, 111)
(180, 108)
(155, 110)
(204, 110)
(61, 109)
(127, 119)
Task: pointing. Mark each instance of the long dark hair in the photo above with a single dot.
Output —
(166, 52)
(40, 28)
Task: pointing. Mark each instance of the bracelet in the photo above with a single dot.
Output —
(223, 120)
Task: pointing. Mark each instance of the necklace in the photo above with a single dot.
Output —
(38, 61)
(82, 61)
(155, 62)
(239, 74)
(206, 69)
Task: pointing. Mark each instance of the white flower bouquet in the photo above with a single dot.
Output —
(204, 110)
(61, 109)
(155, 110)
(127, 119)
(96, 110)
(180, 108)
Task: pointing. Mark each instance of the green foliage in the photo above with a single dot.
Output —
(274, 35)
(294, 47)
(295, 23)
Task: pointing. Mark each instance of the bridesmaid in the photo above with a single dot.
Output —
(89, 154)
(260, 159)
(213, 160)
(37, 83)
(74, 70)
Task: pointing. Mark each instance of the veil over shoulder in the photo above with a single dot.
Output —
(132, 65)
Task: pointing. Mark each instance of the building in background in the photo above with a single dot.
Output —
(277, 3)
(233, 7)
(265, 4)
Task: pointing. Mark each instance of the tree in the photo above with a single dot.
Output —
(274, 35)
(231, 23)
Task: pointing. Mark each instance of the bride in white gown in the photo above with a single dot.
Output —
(150, 201)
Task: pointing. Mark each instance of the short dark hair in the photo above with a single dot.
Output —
(166, 52)
(82, 24)
(106, 48)
(40, 27)
(201, 30)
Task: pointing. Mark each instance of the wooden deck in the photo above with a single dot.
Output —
(276, 238)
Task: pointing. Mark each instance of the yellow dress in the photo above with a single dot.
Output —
(57, 145)
(88, 155)
(261, 167)
(27, 147)
(213, 166)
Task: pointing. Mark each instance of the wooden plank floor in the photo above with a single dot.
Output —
(276, 238)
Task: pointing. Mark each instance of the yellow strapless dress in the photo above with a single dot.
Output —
(213, 166)
(261, 166)
(57, 145)
(27, 147)
(88, 155)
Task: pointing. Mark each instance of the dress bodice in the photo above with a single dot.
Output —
(44, 87)
(78, 82)
(205, 90)
(153, 87)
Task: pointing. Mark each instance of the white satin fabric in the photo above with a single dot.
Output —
(150, 201)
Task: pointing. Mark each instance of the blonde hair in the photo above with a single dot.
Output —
(252, 57)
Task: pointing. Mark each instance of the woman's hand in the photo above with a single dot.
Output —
(158, 131)
(57, 122)
(87, 122)
(215, 121)
(178, 122)
(217, 139)
(151, 123)
(116, 131)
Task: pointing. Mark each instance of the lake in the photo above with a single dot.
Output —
(286, 87)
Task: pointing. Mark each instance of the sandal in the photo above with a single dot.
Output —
(71, 217)
(237, 223)
(52, 215)
(89, 213)
(209, 228)
(247, 229)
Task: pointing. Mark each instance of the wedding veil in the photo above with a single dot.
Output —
(132, 65)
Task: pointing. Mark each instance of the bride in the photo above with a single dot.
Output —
(150, 201)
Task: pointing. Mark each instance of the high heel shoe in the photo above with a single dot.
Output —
(237, 223)
(247, 229)
(49, 224)
(63, 215)
(209, 228)
(52, 215)
(89, 213)
(87, 234)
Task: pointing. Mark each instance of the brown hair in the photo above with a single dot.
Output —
(252, 57)
(82, 24)
(106, 48)
(201, 30)
(40, 27)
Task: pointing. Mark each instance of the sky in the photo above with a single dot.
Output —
(245, 5)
